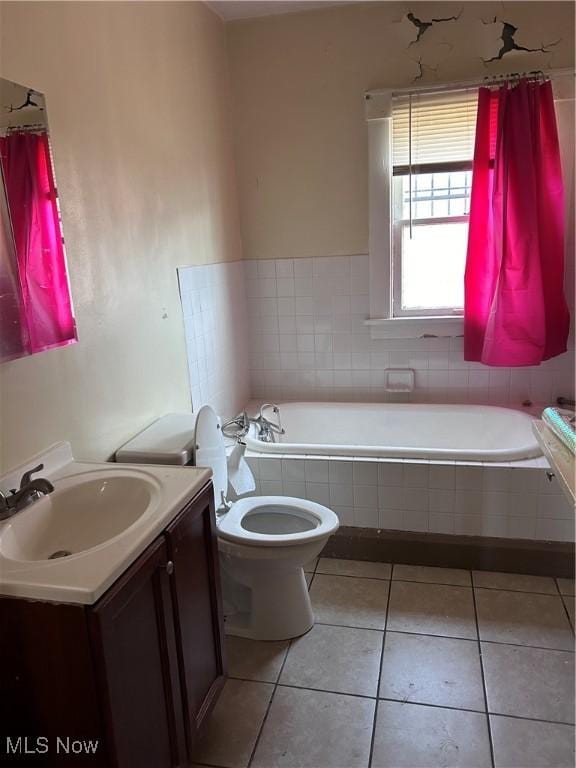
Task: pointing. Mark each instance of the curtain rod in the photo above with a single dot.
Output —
(454, 86)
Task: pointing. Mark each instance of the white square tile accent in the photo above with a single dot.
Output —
(215, 310)
(391, 497)
(441, 500)
(416, 499)
(294, 488)
(442, 476)
(469, 478)
(416, 475)
(318, 492)
(270, 469)
(270, 488)
(391, 473)
(366, 517)
(365, 473)
(441, 522)
(335, 290)
(316, 471)
(293, 470)
(341, 495)
(390, 519)
(366, 496)
(340, 471)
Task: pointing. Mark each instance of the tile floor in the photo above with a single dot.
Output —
(406, 667)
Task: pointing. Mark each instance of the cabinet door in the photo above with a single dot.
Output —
(135, 653)
(193, 547)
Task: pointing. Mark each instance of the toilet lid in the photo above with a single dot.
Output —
(210, 450)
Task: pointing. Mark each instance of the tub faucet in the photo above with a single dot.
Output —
(30, 490)
(266, 428)
(238, 427)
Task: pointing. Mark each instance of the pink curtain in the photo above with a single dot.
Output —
(515, 312)
(31, 194)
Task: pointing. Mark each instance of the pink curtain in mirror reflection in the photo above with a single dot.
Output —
(515, 312)
(47, 318)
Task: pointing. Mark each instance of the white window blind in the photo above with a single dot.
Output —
(433, 129)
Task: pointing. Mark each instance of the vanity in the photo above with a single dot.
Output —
(111, 616)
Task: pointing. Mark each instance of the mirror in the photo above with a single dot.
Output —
(36, 311)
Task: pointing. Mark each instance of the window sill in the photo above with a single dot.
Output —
(414, 327)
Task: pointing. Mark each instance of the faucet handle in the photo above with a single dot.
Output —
(27, 476)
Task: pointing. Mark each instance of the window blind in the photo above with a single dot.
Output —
(438, 127)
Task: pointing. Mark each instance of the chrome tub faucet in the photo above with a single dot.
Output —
(238, 426)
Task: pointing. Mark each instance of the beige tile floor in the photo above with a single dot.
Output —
(406, 667)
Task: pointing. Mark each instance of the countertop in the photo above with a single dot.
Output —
(561, 459)
(84, 577)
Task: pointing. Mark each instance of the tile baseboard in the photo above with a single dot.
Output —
(537, 558)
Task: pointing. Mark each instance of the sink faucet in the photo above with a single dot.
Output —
(30, 490)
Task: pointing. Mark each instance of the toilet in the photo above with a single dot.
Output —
(264, 541)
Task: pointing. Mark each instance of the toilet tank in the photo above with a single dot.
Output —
(168, 440)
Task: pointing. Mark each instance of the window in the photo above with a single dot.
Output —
(432, 149)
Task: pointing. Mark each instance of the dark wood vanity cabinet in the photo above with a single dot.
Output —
(139, 671)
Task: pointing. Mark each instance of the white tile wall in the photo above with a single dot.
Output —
(294, 329)
(216, 327)
(511, 501)
(308, 341)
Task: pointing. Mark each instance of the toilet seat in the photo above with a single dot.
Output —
(305, 521)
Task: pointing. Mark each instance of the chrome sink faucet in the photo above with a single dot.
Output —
(30, 490)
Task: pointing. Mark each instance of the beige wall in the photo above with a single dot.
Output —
(138, 106)
(298, 84)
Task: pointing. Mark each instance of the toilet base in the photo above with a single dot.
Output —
(265, 590)
(280, 610)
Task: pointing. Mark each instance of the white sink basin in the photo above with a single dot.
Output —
(83, 513)
(104, 514)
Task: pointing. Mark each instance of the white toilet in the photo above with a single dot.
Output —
(264, 541)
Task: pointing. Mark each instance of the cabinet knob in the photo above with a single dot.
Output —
(169, 567)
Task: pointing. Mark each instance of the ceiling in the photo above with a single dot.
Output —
(230, 10)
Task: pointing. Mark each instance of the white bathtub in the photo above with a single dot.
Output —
(437, 432)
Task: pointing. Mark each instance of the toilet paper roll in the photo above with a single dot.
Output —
(240, 476)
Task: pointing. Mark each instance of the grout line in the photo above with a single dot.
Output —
(208, 765)
(479, 646)
(435, 706)
(328, 690)
(477, 711)
(403, 701)
(566, 611)
(441, 583)
(373, 737)
(444, 637)
(350, 626)
(530, 719)
(347, 576)
(265, 718)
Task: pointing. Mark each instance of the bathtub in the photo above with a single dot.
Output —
(390, 430)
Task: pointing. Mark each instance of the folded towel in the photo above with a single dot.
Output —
(563, 423)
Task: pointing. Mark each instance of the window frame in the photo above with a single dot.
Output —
(396, 269)
(383, 323)
(398, 224)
